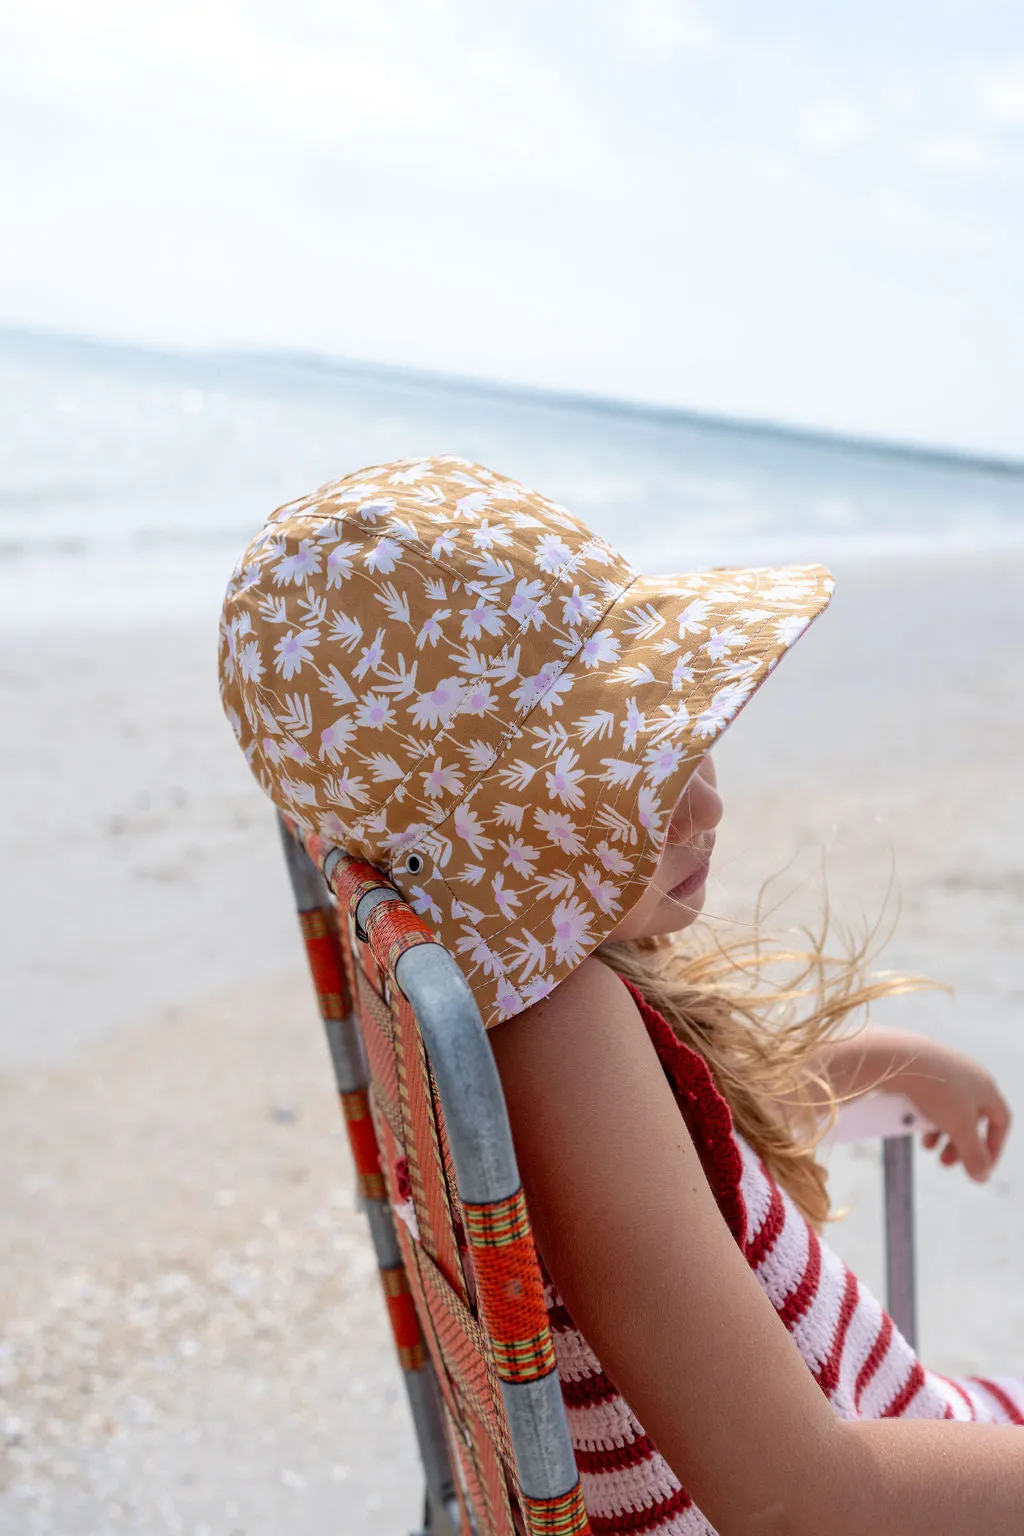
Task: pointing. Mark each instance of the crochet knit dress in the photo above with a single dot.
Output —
(862, 1363)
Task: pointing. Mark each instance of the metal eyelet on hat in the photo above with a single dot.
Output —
(414, 864)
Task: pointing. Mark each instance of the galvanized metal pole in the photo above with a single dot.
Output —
(900, 1256)
(348, 1058)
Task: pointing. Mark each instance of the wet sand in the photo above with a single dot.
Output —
(192, 1337)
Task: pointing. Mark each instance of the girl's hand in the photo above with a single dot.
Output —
(956, 1095)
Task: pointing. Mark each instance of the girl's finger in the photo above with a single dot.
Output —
(998, 1127)
(930, 1139)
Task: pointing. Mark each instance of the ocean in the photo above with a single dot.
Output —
(130, 479)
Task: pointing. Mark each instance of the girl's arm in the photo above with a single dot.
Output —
(635, 1242)
(951, 1092)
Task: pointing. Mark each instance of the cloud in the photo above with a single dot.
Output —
(1000, 93)
(833, 123)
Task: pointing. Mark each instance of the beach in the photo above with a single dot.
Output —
(193, 1338)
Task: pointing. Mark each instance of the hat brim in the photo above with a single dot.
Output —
(685, 656)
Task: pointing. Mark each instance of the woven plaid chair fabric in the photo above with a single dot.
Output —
(465, 1296)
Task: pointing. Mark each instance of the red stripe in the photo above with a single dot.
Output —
(905, 1396)
(767, 1234)
(589, 1391)
(828, 1377)
(879, 1350)
(1005, 1402)
(618, 1458)
(559, 1319)
(798, 1301)
(951, 1382)
(638, 1520)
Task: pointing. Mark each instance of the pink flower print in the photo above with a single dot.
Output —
(293, 650)
(599, 648)
(250, 662)
(601, 892)
(432, 628)
(551, 553)
(790, 628)
(486, 537)
(478, 699)
(296, 751)
(302, 562)
(721, 641)
(444, 543)
(520, 855)
(544, 688)
(483, 618)
(572, 937)
(506, 901)
(346, 789)
(271, 750)
(632, 725)
(564, 780)
(383, 557)
(661, 762)
(375, 711)
(431, 708)
(611, 859)
(424, 905)
(371, 657)
(649, 813)
(335, 738)
(540, 986)
(467, 826)
(525, 606)
(339, 564)
(508, 999)
(577, 608)
(558, 829)
(682, 672)
(693, 618)
(672, 720)
(442, 779)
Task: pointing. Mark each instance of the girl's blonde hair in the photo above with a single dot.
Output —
(762, 1037)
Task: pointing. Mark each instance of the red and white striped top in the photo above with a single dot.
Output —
(859, 1358)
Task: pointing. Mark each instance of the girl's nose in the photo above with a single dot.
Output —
(699, 808)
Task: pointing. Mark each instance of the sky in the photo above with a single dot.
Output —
(796, 212)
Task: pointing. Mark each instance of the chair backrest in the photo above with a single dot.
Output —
(433, 1154)
(436, 1167)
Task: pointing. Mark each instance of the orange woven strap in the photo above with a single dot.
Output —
(405, 1325)
(510, 1292)
(351, 879)
(392, 928)
(362, 1138)
(324, 956)
(564, 1516)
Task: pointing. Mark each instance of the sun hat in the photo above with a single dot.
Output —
(450, 676)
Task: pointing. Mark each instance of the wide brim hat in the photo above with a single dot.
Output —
(450, 676)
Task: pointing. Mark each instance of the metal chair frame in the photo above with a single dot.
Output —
(474, 1110)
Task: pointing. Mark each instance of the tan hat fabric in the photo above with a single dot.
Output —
(452, 677)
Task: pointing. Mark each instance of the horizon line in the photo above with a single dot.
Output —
(299, 358)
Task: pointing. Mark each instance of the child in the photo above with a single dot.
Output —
(449, 676)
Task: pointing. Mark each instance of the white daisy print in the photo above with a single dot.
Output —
(571, 938)
(520, 856)
(437, 703)
(293, 650)
(558, 829)
(599, 649)
(564, 780)
(384, 556)
(375, 711)
(551, 553)
(336, 737)
(442, 779)
(296, 567)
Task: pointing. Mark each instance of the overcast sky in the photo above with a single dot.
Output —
(805, 212)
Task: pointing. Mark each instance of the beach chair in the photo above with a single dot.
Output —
(437, 1173)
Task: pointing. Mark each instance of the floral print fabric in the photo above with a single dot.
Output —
(448, 675)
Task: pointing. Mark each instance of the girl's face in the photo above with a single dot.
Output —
(675, 896)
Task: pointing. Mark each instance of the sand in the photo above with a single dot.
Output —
(192, 1338)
